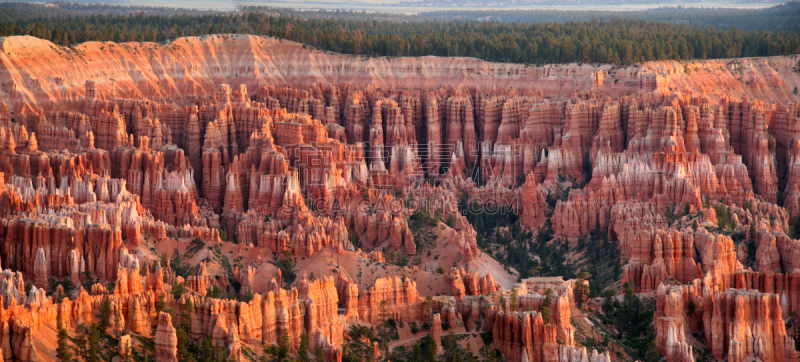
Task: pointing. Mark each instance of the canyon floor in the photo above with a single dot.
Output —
(238, 197)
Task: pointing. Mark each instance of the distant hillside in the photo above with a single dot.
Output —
(615, 41)
(782, 17)
(526, 3)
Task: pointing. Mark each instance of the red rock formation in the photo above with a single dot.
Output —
(670, 322)
(347, 293)
(470, 283)
(533, 203)
(299, 169)
(213, 180)
(717, 252)
(234, 345)
(436, 331)
(651, 256)
(525, 337)
(401, 296)
(165, 339)
(752, 320)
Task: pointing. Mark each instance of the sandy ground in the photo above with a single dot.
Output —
(328, 262)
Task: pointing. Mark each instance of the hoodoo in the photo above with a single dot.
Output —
(247, 197)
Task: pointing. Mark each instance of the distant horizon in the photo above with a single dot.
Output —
(377, 6)
(377, 181)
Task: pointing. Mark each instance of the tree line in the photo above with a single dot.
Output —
(527, 3)
(618, 41)
(782, 17)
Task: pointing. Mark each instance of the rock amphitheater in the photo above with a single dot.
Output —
(241, 152)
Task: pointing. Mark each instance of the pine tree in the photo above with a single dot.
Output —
(580, 288)
(209, 352)
(545, 307)
(279, 352)
(105, 314)
(87, 343)
(428, 349)
(64, 350)
(126, 354)
(302, 353)
(514, 299)
(319, 353)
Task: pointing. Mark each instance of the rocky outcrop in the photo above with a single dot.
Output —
(347, 292)
(436, 331)
(521, 333)
(402, 301)
(738, 324)
(717, 252)
(671, 324)
(525, 337)
(98, 247)
(464, 283)
(307, 235)
(260, 167)
(165, 339)
(533, 202)
(213, 177)
(234, 345)
(650, 256)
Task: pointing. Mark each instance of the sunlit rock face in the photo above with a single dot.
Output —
(263, 191)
